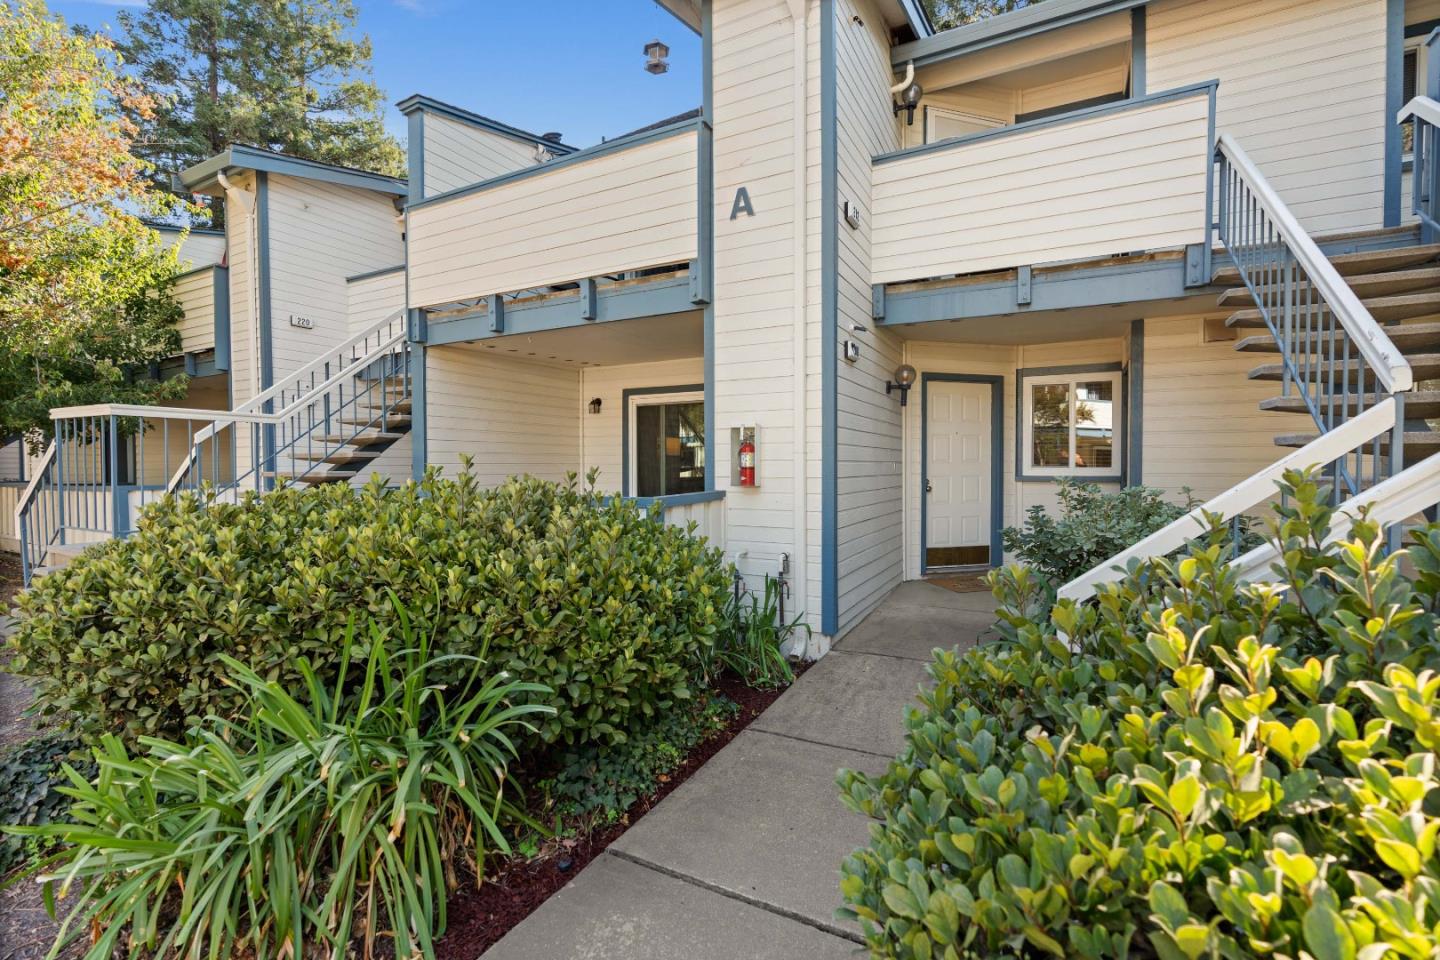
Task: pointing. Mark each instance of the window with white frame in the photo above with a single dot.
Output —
(667, 444)
(1070, 424)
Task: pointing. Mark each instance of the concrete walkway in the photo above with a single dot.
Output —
(743, 860)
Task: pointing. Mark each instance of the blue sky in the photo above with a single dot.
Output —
(575, 66)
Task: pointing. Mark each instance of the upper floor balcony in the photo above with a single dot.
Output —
(622, 208)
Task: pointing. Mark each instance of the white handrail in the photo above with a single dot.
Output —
(1248, 493)
(1391, 501)
(1390, 366)
(1422, 107)
(318, 363)
(23, 503)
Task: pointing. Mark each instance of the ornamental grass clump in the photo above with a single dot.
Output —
(1201, 768)
(325, 823)
(606, 605)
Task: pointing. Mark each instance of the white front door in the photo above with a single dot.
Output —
(957, 470)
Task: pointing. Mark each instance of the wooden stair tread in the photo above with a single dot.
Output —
(341, 455)
(393, 406)
(362, 438)
(1419, 404)
(313, 477)
(1403, 306)
(1364, 285)
(396, 421)
(1408, 338)
(1426, 366)
(1352, 264)
(1413, 439)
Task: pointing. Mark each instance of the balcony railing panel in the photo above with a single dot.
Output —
(1101, 181)
(625, 205)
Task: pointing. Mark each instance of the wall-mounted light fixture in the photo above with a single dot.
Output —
(904, 379)
(910, 93)
(595, 405)
(655, 53)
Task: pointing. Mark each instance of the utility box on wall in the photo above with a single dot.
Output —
(744, 457)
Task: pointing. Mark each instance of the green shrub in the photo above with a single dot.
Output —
(314, 821)
(1093, 526)
(605, 605)
(751, 644)
(602, 782)
(1206, 769)
(32, 773)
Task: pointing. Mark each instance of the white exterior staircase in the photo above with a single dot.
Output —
(1352, 341)
(321, 424)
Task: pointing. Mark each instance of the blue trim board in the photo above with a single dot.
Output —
(677, 499)
(370, 274)
(262, 270)
(240, 157)
(706, 249)
(1084, 113)
(580, 156)
(612, 303)
(829, 327)
(1079, 369)
(1135, 417)
(419, 445)
(997, 456)
(625, 427)
(1394, 92)
(221, 292)
(1137, 52)
(419, 103)
(1420, 29)
(415, 156)
(1004, 28)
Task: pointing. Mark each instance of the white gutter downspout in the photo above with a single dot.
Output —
(799, 566)
(246, 200)
(909, 78)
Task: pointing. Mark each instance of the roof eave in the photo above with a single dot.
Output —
(1005, 28)
(418, 101)
(239, 157)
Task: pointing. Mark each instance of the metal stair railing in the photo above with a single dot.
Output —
(1334, 357)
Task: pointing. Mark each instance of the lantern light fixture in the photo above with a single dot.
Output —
(904, 379)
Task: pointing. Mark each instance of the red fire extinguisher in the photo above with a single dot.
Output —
(747, 461)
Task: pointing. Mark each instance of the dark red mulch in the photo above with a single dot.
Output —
(479, 918)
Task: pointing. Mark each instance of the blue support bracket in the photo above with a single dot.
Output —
(1022, 286)
(1195, 265)
(497, 313)
(698, 292)
(588, 305)
(418, 327)
(877, 301)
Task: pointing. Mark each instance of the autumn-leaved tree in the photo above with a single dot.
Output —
(945, 14)
(84, 302)
(287, 75)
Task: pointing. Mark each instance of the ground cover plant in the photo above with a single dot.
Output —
(610, 608)
(1091, 525)
(1205, 769)
(33, 773)
(331, 816)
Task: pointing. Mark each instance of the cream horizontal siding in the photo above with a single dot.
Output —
(374, 299)
(1203, 424)
(320, 234)
(513, 416)
(624, 210)
(1302, 90)
(1115, 183)
(601, 434)
(195, 292)
(458, 154)
(197, 250)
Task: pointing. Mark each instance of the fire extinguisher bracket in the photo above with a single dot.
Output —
(744, 457)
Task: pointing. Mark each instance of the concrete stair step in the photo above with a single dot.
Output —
(1354, 264)
(1364, 285)
(1419, 404)
(1426, 366)
(1403, 306)
(1409, 338)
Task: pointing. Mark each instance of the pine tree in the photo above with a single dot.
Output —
(285, 75)
(945, 14)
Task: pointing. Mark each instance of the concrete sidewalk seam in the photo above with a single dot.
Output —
(872, 653)
(726, 892)
(818, 743)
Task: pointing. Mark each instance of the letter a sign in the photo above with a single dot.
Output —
(741, 204)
